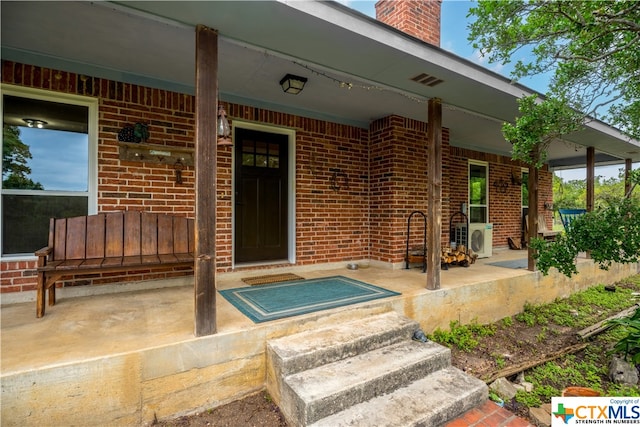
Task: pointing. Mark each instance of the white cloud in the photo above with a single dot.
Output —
(448, 45)
(479, 58)
(497, 68)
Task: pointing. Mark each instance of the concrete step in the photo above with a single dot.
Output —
(431, 401)
(309, 349)
(313, 394)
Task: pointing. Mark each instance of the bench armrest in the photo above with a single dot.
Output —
(43, 256)
(44, 251)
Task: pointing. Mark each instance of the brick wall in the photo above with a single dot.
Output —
(387, 219)
(122, 185)
(17, 276)
(128, 185)
(545, 195)
(332, 223)
(399, 186)
(505, 204)
(419, 18)
(358, 215)
(505, 210)
(332, 215)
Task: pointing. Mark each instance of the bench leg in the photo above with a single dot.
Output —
(40, 295)
(52, 294)
(44, 284)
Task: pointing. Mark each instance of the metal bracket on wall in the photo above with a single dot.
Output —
(501, 186)
(335, 180)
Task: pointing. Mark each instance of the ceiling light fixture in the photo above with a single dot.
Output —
(224, 130)
(34, 123)
(293, 84)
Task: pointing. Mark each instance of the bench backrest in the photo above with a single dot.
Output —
(542, 226)
(119, 234)
(568, 215)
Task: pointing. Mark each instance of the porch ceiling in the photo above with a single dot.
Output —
(153, 43)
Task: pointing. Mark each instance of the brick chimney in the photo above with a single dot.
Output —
(419, 18)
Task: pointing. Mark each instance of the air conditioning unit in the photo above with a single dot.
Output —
(481, 239)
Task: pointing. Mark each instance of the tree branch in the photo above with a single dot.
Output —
(605, 55)
(625, 12)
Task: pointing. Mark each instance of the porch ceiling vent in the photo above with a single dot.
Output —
(427, 80)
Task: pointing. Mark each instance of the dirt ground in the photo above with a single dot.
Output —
(515, 344)
(254, 411)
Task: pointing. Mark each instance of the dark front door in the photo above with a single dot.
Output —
(261, 196)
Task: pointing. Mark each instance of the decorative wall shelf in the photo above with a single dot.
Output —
(154, 153)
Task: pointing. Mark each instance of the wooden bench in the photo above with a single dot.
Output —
(116, 241)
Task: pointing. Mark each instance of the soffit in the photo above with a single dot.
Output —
(153, 43)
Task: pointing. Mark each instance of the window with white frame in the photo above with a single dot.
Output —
(525, 189)
(49, 164)
(524, 186)
(478, 191)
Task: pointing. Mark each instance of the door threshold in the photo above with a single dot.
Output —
(280, 262)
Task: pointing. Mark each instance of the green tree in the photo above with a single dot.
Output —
(540, 124)
(15, 156)
(590, 47)
(611, 233)
(634, 180)
(570, 194)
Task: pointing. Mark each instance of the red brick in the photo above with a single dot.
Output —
(366, 221)
(496, 418)
(517, 422)
(473, 416)
(457, 423)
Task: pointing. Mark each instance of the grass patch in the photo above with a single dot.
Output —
(500, 361)
(580, 309)
(536, 326)
(590, 371)
(465, 337)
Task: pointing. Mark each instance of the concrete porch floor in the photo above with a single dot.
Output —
(129, 357)
(98, 325)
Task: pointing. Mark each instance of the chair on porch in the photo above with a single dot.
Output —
(569, 215)
(543, 231)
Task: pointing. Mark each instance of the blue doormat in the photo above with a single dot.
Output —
(286, 299)
(514, 263)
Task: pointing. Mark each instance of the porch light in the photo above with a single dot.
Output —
(293, 84)
(35, 123)
(224, 130)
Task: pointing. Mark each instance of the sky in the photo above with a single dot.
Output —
(67, 150)
(453, 38)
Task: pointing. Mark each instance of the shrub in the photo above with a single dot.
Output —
(630, 343)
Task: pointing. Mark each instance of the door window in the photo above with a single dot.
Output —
(478, 196)
(525, 189)
(260, 154)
